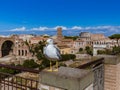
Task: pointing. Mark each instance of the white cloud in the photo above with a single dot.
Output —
(49, 28)
(108, 28)
(76, 28)
(19, 29)
(63, 27)
(103, 29)
(40, 28)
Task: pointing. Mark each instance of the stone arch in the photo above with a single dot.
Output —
(7, 48)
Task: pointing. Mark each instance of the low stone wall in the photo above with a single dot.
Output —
(83, 56)
(68, 79)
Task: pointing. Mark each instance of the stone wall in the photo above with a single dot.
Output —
(112, 74)
(83, 56)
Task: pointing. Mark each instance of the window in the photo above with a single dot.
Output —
(25, 52)
(19, 52)
(71, 51)
(18, 45)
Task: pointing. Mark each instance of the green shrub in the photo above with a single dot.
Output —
(80, 49)
(68, 57)
(30, 64)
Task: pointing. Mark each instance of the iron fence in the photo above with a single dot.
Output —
(16, 82)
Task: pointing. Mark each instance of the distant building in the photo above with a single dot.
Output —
(59, 33)
(13, 45)
(25, 37)
(79, 44)
(97, 36)
(64, 49)
(35, 40)
(68, 42)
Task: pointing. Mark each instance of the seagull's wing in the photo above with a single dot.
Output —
(58, 52)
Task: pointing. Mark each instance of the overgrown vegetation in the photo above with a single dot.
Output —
(115, 36)
(106, 51)
(30, 64)
(71, 37)
(114, 51)
(66, 57)
(89, 50)
(10, 71)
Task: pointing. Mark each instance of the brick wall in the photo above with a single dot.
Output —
(110, 77)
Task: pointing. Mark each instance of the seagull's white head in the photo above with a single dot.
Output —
(50, 41)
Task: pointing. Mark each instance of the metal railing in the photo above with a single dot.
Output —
(17, 82)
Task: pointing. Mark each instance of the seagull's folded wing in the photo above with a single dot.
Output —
(58, 52)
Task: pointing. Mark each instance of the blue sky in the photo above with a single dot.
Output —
(44, 16)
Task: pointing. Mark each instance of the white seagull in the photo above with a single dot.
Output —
(52, 52)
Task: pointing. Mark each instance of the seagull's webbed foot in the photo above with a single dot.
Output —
(50, 70)
(56, 70)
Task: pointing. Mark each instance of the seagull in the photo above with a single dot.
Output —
(52, 53)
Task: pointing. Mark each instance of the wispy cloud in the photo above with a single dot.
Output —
(102, 29)
(19, 29)
(40, 28)
(98, 27)
(115, 29)
(48, 28)
(76, 28)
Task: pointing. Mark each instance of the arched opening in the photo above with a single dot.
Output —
(22, 52)
(7, 48)
(25, 52)
(19, 52)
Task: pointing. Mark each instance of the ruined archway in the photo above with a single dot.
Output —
(7, 48)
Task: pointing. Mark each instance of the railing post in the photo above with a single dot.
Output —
(0, 83)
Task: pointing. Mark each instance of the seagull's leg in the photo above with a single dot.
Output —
(56, 66)
(50, 66)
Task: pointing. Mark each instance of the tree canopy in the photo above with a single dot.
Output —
(115, 36)
(71, 37)
(89, 50)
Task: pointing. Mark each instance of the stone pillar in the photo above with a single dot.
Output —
(94, 51)
(112, 73)
(15, 51)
